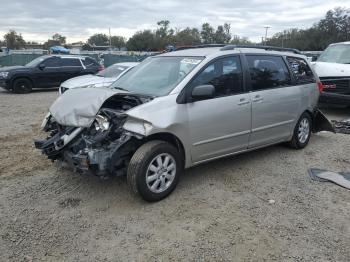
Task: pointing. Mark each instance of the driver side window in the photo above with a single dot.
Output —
(52, 62)
(225, 74)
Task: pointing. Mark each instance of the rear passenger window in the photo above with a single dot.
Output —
(70, 62)
(224, 74)
(52, 62)
(268, 72)
(301, 70)
(89, 62)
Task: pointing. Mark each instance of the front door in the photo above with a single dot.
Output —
(220, 125)
(275, 102)
(48, 73)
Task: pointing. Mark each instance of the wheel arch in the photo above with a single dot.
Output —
(172, 139)
(20, 77)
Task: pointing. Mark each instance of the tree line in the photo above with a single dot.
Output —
(334, 27)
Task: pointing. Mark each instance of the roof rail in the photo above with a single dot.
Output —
(264, 47)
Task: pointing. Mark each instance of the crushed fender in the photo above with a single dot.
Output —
(342, 126)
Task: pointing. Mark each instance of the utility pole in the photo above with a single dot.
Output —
(110, 39)
(266, 28)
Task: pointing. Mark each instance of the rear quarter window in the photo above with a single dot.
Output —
(301, 70)
(89, 62)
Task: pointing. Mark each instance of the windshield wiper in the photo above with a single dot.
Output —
(120, 88)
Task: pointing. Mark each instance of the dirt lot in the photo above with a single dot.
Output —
(219, 211)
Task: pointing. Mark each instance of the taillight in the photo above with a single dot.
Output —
(320, 86)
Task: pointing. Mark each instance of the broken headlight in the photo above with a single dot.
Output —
(101, 123)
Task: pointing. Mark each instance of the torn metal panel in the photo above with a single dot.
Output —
(339, 178)
(342, 126)
(321, 123)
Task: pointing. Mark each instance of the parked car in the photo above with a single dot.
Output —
(59, 50)
(45, 72)
(333, 68)
(312, 55)
(103, 78)
(184, 108)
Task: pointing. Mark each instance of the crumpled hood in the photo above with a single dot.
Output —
(78, 107)
(86, 80)
(324, 69)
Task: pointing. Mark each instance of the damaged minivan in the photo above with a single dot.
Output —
(183, 108)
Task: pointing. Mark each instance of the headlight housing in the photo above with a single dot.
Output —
(3, 74)
(101, 123)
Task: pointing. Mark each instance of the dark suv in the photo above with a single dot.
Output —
(46, 71)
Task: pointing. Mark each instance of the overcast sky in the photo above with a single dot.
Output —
(37, 20)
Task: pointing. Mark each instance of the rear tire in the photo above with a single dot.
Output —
(154, 170)
(302, 132)
(22, 86)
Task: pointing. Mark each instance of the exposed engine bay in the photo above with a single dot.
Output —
(104, 148)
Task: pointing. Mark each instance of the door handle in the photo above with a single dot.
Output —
(257, 98)
(243, 101)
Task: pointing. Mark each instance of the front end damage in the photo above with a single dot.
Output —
(102, 148)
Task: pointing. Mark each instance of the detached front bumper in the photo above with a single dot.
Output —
(334, 98)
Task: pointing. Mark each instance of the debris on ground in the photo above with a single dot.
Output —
(339, 178)
(342, 126)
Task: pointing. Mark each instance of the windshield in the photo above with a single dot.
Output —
(36, 61)
(336, 54)
(112, 71)
(157, 76)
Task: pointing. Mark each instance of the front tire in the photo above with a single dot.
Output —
(302, 132)
(154, 170)
(22, 86)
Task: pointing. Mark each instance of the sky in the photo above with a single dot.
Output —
(38, 20)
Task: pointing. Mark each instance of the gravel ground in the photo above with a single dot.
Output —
(259, 206)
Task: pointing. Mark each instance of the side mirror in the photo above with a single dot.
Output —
(203, 92)
(41, 66)
(314, 59)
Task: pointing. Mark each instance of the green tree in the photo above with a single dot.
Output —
(188, 36)
(59, 38)
(334, 27)
(14, 40)
(99, 40)
(222, 34)
(56, 39)
(118, 41)
(164, 35)
(207, 34)
(142, 41)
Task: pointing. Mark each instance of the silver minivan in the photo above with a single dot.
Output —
(183, 108)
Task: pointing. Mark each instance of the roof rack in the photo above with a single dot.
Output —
(264, 47)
